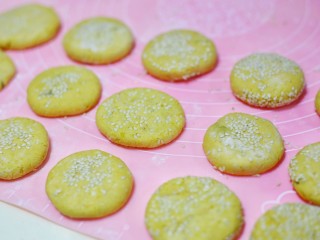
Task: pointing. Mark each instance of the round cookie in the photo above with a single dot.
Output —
(98, 40)
(64, 91)
(242, 144)
(7, 70)
(290, 221)
(24, 145)
(89, 184)
(267, 80)
(179, 55)
(140, 117)
(193, 208)
(317, 102)
(27, 26)
(304, 170)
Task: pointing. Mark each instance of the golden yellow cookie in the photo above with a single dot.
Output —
(64, 91)
(7, 70)
(89, 184)
(242, 144)
(98, 40)
(267, 80)
(140, 117)
(179, 55)
(192, 208)
(290, 221)
(317, 103)
(304, 170)
(27, 26)
(24, 145)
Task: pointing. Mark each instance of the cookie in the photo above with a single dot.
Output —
(27, 26)
(193, 208)
(89, 184)
(24, 145)
(304, 170)
(242, 144)
(141, 118)
(267, 80)
(7, 70)
(317, 103)
(179, 55)
(290, 221)
(98, 40)
(64, 91)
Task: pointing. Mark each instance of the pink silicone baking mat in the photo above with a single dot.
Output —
(238, 28)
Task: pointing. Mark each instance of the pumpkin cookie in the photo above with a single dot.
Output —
(290, 221)
(304, 170)
(242, 144)
(193, 208)
(24, 146)
(7, 70)
(27, 26)
(89, 184)
(267, 80)
(179, 55)
(64, 91)
(317, 103)
(140, 117)
(98, 40)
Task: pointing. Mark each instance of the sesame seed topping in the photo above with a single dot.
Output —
(183, 51)
(243, 144)
(98, 36)
(289, 221)
(264, 80)
(14, 136)
(242, 133)
(304, 172)
(142, 115)
(57, 85)
(262, 66)
(85, 172)
(178, 204)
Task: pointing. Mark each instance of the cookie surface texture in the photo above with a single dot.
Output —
(267, 80)
(89, 184)
(98, 40)
(193, 208)
(64, 91)
(24, 145)
(7, 70)
(242, 144)
(290, 221)
(27, 26)
(141, 118)
(304, 170)
(179, 55)
(317, 103)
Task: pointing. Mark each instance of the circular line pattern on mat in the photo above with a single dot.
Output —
(89, 184)
(304, 170)
(226, 18)
(24, 145)
(294, 35)
(141, 118)
(193, 208)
